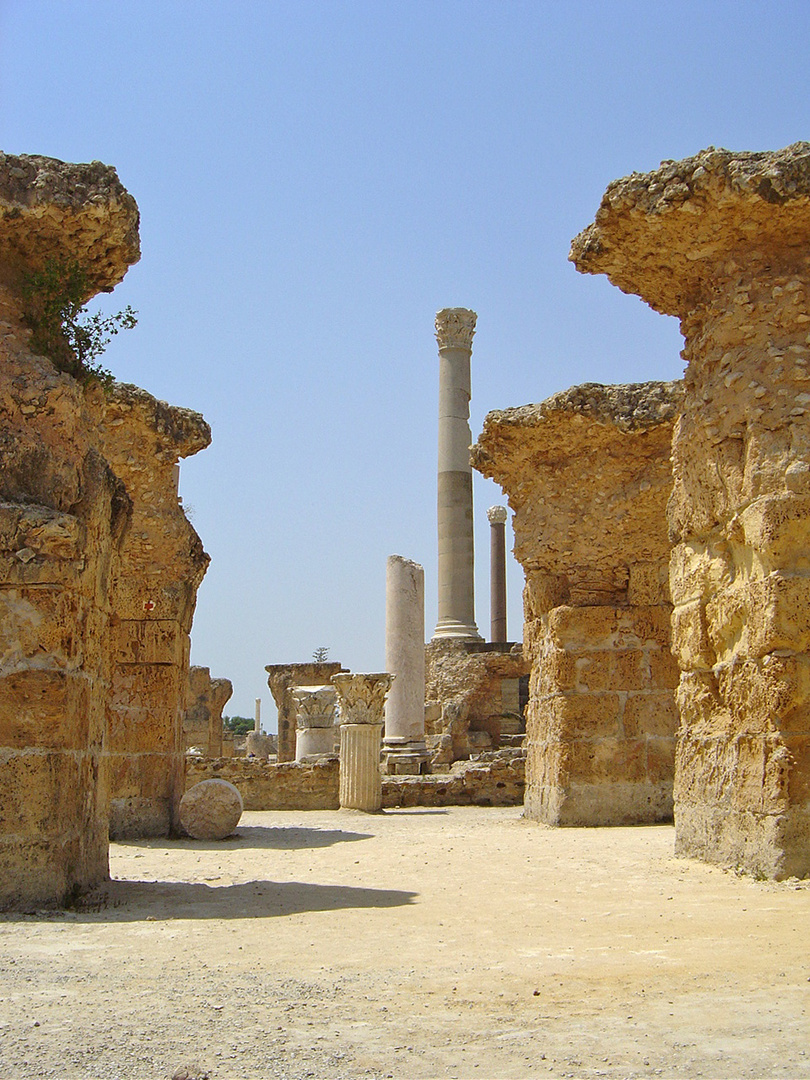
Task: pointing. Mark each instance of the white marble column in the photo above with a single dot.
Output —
(454, 333)
(316, 731)
(497, 573)
(404, 745)
(361, 701)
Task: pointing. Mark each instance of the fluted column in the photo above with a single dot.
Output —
(316, 731)
(454, 333)
(361, 700)
(497, 573)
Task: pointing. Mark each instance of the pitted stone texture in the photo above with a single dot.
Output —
(588, 475)
(211, 810)
(56, 209)
(154, 581)
(721, 240)
(665, 235)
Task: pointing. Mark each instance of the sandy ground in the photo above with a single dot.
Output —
(462, 942)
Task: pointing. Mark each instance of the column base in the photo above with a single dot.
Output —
(451, 628)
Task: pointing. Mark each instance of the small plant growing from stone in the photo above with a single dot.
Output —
(54, 309)
(321, 654)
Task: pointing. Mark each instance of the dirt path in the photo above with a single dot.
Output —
(463, 943)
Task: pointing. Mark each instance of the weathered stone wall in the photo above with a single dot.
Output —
(721, 240)
(154, 587)
(202, 722)
(263, 785)
(495, 779)
(587, 473)
(471, 697)
(63, 514)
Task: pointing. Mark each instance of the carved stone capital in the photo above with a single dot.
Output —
(315, 706)
(455, 328)
(362, 697)
(496, 515)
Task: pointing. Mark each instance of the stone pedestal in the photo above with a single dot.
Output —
(454, 333)
(316, 731)
(721, 240)
(497, 573)
(361, 700)
(405, 750)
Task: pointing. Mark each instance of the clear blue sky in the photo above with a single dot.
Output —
(316, 178)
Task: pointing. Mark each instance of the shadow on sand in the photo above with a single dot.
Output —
(255, 836)
(137, 901)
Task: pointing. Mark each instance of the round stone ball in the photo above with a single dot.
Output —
(211, 810)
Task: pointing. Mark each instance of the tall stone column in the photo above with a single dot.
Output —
(361, 700)
(316, 731)
(497, 573)
(405, 659)
(722, 240)
(454, 333)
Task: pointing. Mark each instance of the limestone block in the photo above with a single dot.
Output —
(694, 571)
(143, 709)
(653, 714)
(580, 716)
(570, 627)
(211, 810)
(690, 637)
(45, 708)
(777, 527)
(147, 641)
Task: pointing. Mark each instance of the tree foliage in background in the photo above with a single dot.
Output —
(62, 328)
(321, 654)
(238, 725)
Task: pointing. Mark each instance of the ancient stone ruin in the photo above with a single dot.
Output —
(588, 475)
(93, 607)
(205, 700)
(721, 241)
(154, 584)
(282, 680)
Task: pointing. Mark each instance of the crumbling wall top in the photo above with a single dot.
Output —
(585, 416)
(180, 432)
(56, 209)
(665, 235)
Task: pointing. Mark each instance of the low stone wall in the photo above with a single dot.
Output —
(270, 785)
(495, 779)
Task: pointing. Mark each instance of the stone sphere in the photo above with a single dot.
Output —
(211, 810)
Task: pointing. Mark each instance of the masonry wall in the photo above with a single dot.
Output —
(721, 241)
(588, 475)
(154, 586)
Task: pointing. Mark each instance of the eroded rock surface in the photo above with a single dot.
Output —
(206, 698)
(80, 472)
(721, 241)
(587, 473)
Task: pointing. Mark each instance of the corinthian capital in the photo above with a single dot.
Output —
(497, 515)
(455, 327)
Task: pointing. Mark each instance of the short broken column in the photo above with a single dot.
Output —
(317, 733)
(588, 475)
(722, 240)
(404, 746)
(496, 515)
(361, 699)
